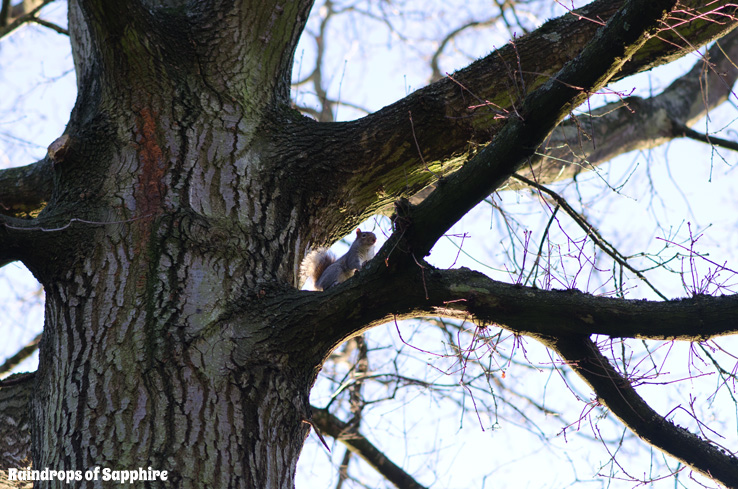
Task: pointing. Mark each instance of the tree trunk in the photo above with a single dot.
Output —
(153, 381)
(161, 202)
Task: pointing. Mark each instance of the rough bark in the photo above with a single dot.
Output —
(538, 114)
(15, 422)
(418, 227)
(464, 294)
(25, 189)
(399, 150)
(160, 220)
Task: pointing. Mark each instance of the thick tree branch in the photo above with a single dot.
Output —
(635, 123)
(563, 320)
(19, 238)
(379, 294)
(4, 12)
(357, 443)
(404, 147)
(616, 392)
(25, 190)
(540, 112)
(536, 312)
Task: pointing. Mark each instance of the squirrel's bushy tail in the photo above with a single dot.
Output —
(314, 264)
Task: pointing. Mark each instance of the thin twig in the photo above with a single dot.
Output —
(50, 25)
(592, 233)
(687, 132)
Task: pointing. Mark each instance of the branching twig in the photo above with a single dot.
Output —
(583, 356)
(591, 231)
(436, 71)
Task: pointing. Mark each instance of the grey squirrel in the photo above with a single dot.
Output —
(321, 265)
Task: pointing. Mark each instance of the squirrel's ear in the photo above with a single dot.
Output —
(358, 232)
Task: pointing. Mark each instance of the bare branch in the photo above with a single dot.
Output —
(362, 447)
(591, 231)
(687, 132)
(435, 70)
(634, 123)
(540, 112)
(381, 294)
(51, 26)
(616, 392)
(17, 238)
(25, 190)
(453, 118)
(19, 21)
(21, 355)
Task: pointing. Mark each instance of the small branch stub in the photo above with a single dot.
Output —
(59, 149)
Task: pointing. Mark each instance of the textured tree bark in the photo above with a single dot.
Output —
(169, 208)
(135, 374)
(15, 422)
